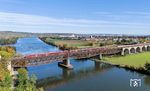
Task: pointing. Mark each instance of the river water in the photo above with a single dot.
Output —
(87, 75)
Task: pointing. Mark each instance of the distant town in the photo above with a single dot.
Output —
(119, 38)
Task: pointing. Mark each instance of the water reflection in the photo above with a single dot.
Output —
(147, 80)
(97, 65)
(66, 73)
(70, 75)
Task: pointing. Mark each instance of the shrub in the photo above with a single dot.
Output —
(147, 66)
(25, 83)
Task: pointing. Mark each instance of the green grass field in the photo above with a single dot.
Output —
(73, 43)
(76, 43)
(136, 60)
(70, 43)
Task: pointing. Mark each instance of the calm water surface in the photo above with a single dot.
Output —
(33, 45)
(87, 75)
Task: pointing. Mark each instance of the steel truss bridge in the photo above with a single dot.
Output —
(64, 56)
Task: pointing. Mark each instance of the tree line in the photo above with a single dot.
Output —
(23, 81)
(7, 41)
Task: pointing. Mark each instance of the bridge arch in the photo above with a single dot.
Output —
(126, 51)
(138, 49)
(143, 48)
(148, 48)
(132, 50)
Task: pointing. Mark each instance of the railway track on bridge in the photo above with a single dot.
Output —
(44, 58)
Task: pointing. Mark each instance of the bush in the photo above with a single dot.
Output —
(7, 52)
(6, 82)
(147, 66)
(25, 83)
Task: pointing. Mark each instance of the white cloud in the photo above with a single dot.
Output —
(127, 15)
(137, 13)
(34, 23)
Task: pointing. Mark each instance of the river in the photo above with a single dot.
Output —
(87, 75)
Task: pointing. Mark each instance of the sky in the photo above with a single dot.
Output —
(76, 16)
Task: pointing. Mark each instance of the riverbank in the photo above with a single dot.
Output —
(141, 70)
(8, 41)
(134, 62)
(70, 44)
(67, 44)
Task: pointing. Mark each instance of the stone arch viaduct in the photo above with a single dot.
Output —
(131, 49)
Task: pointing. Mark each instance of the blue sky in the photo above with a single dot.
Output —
(76, 16)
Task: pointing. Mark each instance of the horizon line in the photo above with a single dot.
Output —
(78, 33)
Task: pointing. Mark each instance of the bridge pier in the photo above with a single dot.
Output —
(99, 57)
(122, 52)
(10, 68)
(140, 49)
(66, 64)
